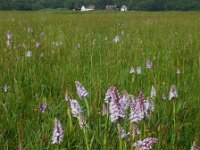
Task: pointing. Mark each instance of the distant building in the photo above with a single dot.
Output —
(124, 8)
(89, 8)
(83, 8)
(110, 7)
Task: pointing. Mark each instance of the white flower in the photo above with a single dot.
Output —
(29, 54)
(6, 88)
(122, 32)
(194, 146)
(178, 71)
(41, 55)
(8, 43)
(30, 30)
(78, 45)
(164, 97)
(57, 43)
(57, 132)
(37, 44)
(173, 93)
(153, 91)
(116, 39)
(132, 70)
(139, 70)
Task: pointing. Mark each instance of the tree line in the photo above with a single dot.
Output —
(149, 5)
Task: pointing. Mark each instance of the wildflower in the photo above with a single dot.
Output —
(37, 44)
(78, 113)
(194, 146)
(149, 64)
(153, 91)
(30, 30)
(116, 39)
(75, 108)
(6, 88)
(82, 121)
(42, 34)
(8, 43)
(29, 54)
(146, 144)
(132, 70)
(173, 93)
(108, 94)
(78, 45)
(136, 129)
(139, 70)
(41, 55)
(139, 108)
(178, 71)
(43, 107)
(150, 104)
(125, 101)
(164, 97)
(115, 108)
(57, 43)
(57, 132)
(82, 93)
(67, 97)
(9, 36)
(124, 134)
(104, 110)
(137, 111)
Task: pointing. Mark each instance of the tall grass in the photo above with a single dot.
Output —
(170, 40)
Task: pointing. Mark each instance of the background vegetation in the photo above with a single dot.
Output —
(152, 5)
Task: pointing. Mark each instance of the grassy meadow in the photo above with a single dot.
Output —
(80, 47)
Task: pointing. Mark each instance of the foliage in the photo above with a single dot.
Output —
(155, 5)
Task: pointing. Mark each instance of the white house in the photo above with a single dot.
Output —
(123, 8)
(89, 8)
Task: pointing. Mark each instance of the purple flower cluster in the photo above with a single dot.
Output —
(117, 104)
(9, 37)
(57, 132)
(43, 107)
(149, 64)
(173, 93)
(146, 144)
(81, 91)
(140, 107)
(76, 110)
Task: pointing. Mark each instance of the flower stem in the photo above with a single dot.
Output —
(174, 119)
(120, 139)
(86, 138)
(87, 107)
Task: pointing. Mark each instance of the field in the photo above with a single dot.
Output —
(42, 54)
